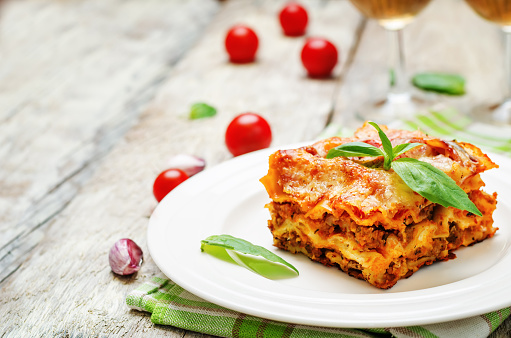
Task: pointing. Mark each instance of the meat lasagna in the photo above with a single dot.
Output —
(349, 213)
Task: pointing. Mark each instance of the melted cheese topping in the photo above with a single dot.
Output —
(319, 185)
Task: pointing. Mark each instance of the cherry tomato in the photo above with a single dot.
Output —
(241, 44)
(319, 57)
(166, 181)
(247, 132)
(293, 19)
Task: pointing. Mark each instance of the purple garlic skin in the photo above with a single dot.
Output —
(190, 164)
(125, 257)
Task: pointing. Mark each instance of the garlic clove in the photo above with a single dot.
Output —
(125, 257)
(191, 165)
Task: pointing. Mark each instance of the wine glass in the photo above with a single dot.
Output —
(499, 12)
(393, 15)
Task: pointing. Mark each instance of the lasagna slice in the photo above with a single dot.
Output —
(350, 213)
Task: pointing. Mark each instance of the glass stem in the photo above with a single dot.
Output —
(507, 64)
(398, 80)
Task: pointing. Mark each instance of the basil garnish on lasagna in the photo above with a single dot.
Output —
(353, 213)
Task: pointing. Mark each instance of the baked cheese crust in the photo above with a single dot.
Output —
(352, 214)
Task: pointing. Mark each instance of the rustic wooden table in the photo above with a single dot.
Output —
(93, 102)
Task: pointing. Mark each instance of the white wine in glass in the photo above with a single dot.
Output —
(393, 15)
(499, 12)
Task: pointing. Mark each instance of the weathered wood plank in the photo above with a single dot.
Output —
(274, 85)
(66, 287)
(75, 77)
(72, 289)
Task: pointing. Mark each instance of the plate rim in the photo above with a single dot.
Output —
(189, 282)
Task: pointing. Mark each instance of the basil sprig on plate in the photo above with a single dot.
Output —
(421, 177)
(253, 257)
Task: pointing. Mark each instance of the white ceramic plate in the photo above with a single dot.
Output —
(229, 199)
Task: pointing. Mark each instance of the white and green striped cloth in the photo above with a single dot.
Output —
(451, 124)
(170, 304)
(448, 124)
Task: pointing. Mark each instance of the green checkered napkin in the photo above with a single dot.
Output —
(172, 305)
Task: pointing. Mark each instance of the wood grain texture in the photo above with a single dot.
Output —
(275, 86)
(78, 182)
(75, 76)
(66, 286)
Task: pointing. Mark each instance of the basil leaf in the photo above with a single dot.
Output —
(421, 177)
(253, 257)
(387, 147)
(442, 83)
(201, 110)
(433, 184)
(403, 148)
(354, 149)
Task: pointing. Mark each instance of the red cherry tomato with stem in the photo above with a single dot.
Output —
(319, 57)
(293, 19)
(166, 181)
(241, 44)
(247, 132)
